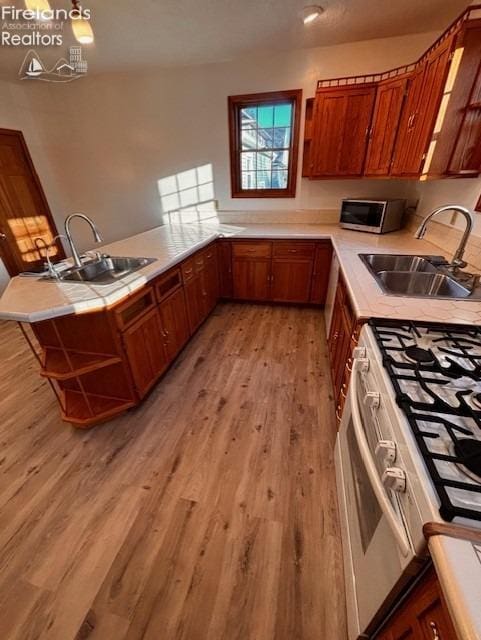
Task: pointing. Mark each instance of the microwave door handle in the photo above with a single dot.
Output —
(377, 486)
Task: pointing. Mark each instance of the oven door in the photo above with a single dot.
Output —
(363, 216)
(376, 545)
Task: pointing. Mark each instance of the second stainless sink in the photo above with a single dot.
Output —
(422, 284)
(106, 270)
(416, 276)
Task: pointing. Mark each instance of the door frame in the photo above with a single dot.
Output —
(16, 133)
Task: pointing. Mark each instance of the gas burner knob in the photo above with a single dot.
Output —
(386, 452)
(394, 478)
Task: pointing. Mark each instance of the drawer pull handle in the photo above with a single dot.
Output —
(292, 251)
(338, 410)
(188, 270)
(434, 629)
(349, 368)
(343, 391)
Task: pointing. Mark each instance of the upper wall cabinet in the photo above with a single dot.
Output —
(423, 119)
(341, 122)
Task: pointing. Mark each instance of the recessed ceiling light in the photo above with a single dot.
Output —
(311, 13)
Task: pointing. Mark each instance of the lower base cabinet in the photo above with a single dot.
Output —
(144, 344)
(174, 323)
(251, 279)
(422, 616)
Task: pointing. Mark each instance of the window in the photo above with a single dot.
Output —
(264, 143)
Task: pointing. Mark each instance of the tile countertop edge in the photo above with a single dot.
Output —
(367, 298)
(458, 567)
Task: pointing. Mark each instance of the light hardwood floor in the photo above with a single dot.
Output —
(209, 513)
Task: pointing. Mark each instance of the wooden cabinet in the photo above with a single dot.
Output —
(174, 323)
(341, 341)
(224, 256)
(457, 151)
(423, 616)
(201, 285)
(385, 123)
(251, 269)
(421, 108)
(321, 271)
(341, 122)
(144, 345)
(295, 271)
(292, 264)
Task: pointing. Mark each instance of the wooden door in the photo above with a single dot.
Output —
(385, 123)
(320, 274)
(251, 269)
(24, 212)
(251, 279)
(225, 268)
(422, 105)
(174, 323)
(291, 280)
(342, 118)
(195, 302)
(145, 351)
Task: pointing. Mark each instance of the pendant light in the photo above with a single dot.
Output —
(37, 5)
(81, 27)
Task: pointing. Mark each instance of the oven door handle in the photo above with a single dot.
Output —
(377, 486)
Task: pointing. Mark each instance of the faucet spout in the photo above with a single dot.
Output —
(457, 262)
(97, 237)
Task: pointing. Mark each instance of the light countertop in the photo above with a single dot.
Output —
(458, 565)
(32, 299)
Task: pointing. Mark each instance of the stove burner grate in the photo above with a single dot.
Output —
(401, 337)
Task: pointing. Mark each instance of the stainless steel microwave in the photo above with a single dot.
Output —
(374, 216)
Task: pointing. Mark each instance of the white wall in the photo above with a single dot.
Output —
(436, 193)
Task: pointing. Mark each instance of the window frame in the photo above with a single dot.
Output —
(235, 104)
(478, 206)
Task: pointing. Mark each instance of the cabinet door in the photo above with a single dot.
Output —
(145, 351)
(211, 279)
(251, 279)
(422, 105)
(194, 299)
(320, 274)
(224, 255)
(291, 280)
(342, 118)
(174, 323)
(385, 123)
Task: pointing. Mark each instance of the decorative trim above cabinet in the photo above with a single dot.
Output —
(420, 120)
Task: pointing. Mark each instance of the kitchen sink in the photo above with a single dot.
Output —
(422, 284)
(105, 270)
(418, 276)
(381, 262)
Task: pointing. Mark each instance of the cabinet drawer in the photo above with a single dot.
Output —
(294, 249)
(252, 249)
(167, 284)
(134, 308)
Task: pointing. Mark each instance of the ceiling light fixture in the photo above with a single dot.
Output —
(37, 5)
(311, 13)
(81, 27)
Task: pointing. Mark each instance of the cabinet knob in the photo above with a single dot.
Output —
(2, 236)
(434, 629)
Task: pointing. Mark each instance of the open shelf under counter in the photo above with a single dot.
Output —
(60, 364)
(87, 409)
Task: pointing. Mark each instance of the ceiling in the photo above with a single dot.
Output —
(145, 33)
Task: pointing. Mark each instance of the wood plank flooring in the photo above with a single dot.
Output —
(208, 513)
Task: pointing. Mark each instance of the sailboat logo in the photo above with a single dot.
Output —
(33, 68)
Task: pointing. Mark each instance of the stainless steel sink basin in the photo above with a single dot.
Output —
(383, 262)
(417, 276)
(422, 284)
(106, 270)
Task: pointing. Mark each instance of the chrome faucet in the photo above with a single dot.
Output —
(98, 238)
(42, 245)
(457, 262)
